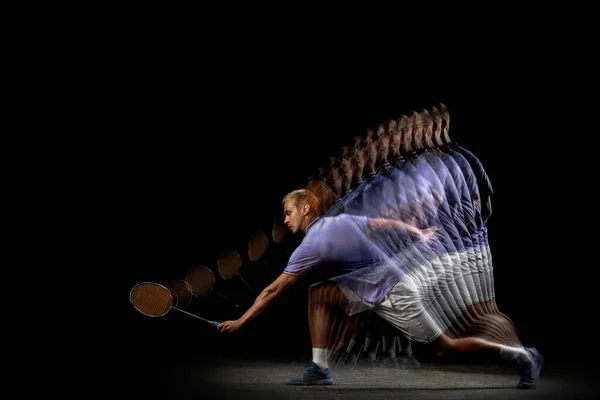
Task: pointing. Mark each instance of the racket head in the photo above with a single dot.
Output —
(278, 232)
(200, 280)
(182, 290)
(228, 263)
(257, 245)
(151, 299)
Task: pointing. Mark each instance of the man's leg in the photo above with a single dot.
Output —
(368, 355)
(389, 345)
(406, 358)
(350, 329)
(360, 324)
(402, 308)
(323, 301)
(529, 360)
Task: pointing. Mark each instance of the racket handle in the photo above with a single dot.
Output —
(249, 288)
(267, 268)
(213, 323)
(225, 298)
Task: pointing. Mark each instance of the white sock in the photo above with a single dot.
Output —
(398, 344)
(514, 353)
(351, 345)
(373, 353)
(335, 352)
(392, 348)
(367, 347)
(319, 357)
(405, 349)
(385, 343)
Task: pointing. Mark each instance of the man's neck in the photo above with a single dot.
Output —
(337, 188)
(348, 182)
(358, 172)
(371, 167)
(310, 219)
(382, 160)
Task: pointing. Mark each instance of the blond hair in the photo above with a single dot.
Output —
(317, 195)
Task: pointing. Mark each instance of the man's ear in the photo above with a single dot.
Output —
(305, 209)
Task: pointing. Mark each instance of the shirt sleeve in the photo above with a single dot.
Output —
(486, 186)
(363, 222)
(483, 180)
(470, 179)
(304, 258)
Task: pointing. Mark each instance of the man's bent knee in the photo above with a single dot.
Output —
(326, 293)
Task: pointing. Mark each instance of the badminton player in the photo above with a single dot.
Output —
(342, 254)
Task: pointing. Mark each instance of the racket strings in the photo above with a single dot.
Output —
(279, 232)
(229, 263)
(201, 280)
(151, 299)
(257, 245)
(181, 290)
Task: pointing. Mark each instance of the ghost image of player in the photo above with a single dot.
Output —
(349, 255)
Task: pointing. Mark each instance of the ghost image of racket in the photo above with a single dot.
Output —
(155, 300)
(181, 292)
(201, 281)
(228, 264)
(257, 246)
(278, 234)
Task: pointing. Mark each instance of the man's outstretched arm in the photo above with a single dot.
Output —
(262, 302)
(384, 223)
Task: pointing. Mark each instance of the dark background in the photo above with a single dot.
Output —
(204, 162)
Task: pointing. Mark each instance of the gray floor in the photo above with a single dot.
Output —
(248, 379)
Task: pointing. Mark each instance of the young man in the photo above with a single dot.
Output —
(359, 274)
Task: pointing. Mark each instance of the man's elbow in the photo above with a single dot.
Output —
(271, 292)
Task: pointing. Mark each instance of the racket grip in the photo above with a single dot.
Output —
(214, 323)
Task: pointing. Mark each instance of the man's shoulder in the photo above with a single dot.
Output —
(342, 218)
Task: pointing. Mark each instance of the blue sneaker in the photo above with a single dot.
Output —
(387, 361)
(530, 371)
(312, 375)
(408, 362)
(355, 356)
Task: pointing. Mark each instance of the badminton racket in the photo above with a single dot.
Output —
(278, 234)
(228, 264)
(257, 246)
(181, 292)
(155, 300)
(201, 281)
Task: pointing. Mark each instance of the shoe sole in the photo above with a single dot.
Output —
(320, 382)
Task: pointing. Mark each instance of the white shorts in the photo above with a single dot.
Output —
(403, 308)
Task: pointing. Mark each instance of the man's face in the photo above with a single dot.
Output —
(437, 127)
(383, 144)
(396, 139)
(360, 155)
(293, 216)
(418, 134)
(336, 176)
(347, 160)
(407, 133)
(372, 147)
